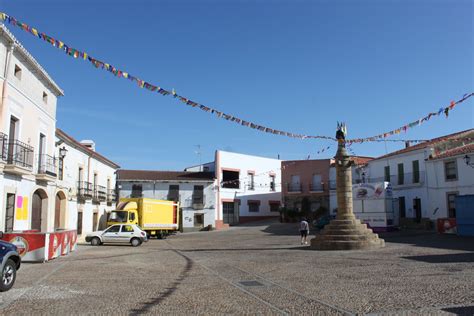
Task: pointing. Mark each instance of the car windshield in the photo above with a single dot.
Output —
(118, 216)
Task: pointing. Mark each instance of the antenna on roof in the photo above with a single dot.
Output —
(198, 152)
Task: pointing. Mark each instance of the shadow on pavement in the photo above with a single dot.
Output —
(144, 307)
(246, 249)
(448, 258)
(430, 240)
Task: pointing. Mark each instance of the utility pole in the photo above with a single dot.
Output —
(345, 232)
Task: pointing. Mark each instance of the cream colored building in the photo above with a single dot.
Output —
(28, 193)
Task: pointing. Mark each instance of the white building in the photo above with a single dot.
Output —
(29, 197)
(194, 191)
(249, 187)
(89, 180)
(448, 176)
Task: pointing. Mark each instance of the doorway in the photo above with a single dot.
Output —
(38, 207)
(229, 214)
(60, 211)
(10, 212)
(199, 220)
(417, 209)
(79, 223)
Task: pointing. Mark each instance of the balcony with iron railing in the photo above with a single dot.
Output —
(404, 179)
(84, 190)
(111, 196)
(294, 187)
(316, 187)
(231, 184)
(3, 147)
(19, 157)
(100, 193)
(198, 201)
(46, 167)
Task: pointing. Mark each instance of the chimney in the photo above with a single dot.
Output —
(407, 144)
(89, 144)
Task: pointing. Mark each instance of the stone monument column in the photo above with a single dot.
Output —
(345, 232)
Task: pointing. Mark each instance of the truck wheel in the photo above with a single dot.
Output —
(135, 242)
(95, 241)
(8, 276)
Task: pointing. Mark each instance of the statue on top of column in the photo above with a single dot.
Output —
(341, 133)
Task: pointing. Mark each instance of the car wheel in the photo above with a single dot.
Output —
(95, 241)
(8, 275)
(135, 242)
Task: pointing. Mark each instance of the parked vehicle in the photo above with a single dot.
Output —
(157, 218)
(11, 261)
(127, 233)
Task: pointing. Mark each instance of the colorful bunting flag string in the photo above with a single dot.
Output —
(441, 111)
(73, 52)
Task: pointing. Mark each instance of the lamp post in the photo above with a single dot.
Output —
(62, 152)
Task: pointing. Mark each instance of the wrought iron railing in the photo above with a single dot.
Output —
(294, 187)
(231, 184)
(316, 187)
(47, 165)
(3, 146)
(111, 196)
(402, 179)
(84, 190)
(20, 154)
(198, 199)
(100, 193)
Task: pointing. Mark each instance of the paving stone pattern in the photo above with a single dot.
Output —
(254, 269)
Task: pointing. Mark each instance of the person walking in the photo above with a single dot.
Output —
(304, 230)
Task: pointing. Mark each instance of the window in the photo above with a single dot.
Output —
(113, 229)
(95, 220)
(416, 171)
(401, 174)
(79, 223)
(137, 191)
(198, 194)
(401, 206)
(316, 184)
(451, 201)
(17, 72)
(251, 181)
(295, 184)
(45, 97)
(131, 216)
(387, 173)
(274, 206)
(173, 192)
(230, 179)
(272, 183)
(254, 206)
(450, 170)
(10, 212)
(61, 168)
(127, 229)
(79, 175)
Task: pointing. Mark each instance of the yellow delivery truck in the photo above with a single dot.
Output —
(158, 218)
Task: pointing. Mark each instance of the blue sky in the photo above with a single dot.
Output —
(297, 66)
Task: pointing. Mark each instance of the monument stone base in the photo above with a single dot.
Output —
(346, 234)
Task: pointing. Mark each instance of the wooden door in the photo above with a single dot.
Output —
(36, 210)
(57, 212)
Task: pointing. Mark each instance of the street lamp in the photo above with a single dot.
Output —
(467, 160)
(62, 152)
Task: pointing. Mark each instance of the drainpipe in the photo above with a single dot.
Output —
(5, 83)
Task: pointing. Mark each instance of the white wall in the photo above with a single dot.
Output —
(262, 167)
(438, 187)
(77, 157)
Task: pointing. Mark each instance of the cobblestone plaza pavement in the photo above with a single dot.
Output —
(258, 269)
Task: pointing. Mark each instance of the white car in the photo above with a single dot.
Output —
(126, 233)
